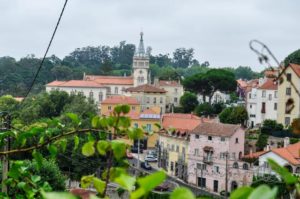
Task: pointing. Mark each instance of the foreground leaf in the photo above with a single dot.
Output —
(119, 148)
(283, 172)
(242, 192)
(126, 181)
(102, 147)
(181, 192)
(57, 195)
(99, 185)
(263, 191)
(88, 149)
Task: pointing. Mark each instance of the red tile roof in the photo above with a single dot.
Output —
(216, 129)
(168, 83)
(120, 100)
(119, 80)
(291, 153)
(76, 83)
(181, 122)
(271, 73)
(296, 68)
(146, 88)
(241, 83)
(269, 85)
(55, 83)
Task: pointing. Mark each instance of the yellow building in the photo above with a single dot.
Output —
(140, 119)
(288, 95)
(174, 141)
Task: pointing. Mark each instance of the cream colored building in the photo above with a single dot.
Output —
(148, 96)
(288, 95)
(174, 91)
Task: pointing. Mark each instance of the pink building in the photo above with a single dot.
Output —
(212, 148)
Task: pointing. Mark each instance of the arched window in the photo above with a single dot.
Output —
(245, 166)
(297, 170)
(289, 168)
(235, 165)
(91, 95)
(100, 96)
(234, 185)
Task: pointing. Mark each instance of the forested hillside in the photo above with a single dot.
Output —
(16, 75)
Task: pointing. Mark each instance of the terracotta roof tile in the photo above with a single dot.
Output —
(146, 88)
(118, 99)
(291, 153)
(78, 83)
(216, 129)
(168, 83)
(241, 83)
(119, 80)
(255, 155)
(56, 83)
(269, 85)
(296, 68)
(181, 122)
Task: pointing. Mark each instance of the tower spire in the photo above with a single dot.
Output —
(141, 48)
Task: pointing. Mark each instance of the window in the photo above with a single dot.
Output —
(249, 95)
(235, 165)
(236, 140)
(149, 127)
(176, 90)
(197, 136)
(287, 121)
(222, 139)
(161, 100)
(91, 95)
(209, 138)
(175, 100)
(245, 166)
(252, 115)
(275, 94)
(100, 96)
(148, 100)
(201, 166)
(172, 147)
(233, 156)
(154, 100)
(133, 108)
(264, 94)
(275, 106)
(116, 90)
(108, 90)
(288, 91)
(250, 105)
(270, 96)
(177, 148)
(263, 107)
(289, 106)
(172, 166)
(216, 169)
(196, 152)
(136, 125)
(109, 108)
(289, 77)
(183, 150)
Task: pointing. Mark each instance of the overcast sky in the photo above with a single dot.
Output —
(218, 30)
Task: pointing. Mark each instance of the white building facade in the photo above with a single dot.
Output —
(262, 102)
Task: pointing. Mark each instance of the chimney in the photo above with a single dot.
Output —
(267, 148)
(286, 141)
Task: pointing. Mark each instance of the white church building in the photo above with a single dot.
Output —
(99, 87)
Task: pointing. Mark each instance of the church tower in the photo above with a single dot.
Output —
(140, 65)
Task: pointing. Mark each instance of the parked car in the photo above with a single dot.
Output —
(129, 155)
(135, 150)
(162, 187)
(152, 152)
(151, 158)
(146, 165)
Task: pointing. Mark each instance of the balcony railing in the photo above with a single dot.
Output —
(207, 160)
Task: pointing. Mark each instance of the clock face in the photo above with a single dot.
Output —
(141, 72)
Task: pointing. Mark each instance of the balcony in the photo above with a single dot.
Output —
(208, 160)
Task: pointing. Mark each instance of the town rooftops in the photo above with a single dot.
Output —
(146, 88)
(75, 83)
(114, 80)
(117, 99)
(216, 129)
(289, 153)
(146, 115)
(181, 122)
(269, 85)
(169, 83)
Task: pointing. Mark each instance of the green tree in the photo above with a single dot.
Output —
(294, 58)
(204, 109)
(243, 72)
(189, 102)
(234, 115)
(262, 141)
(183, 57)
